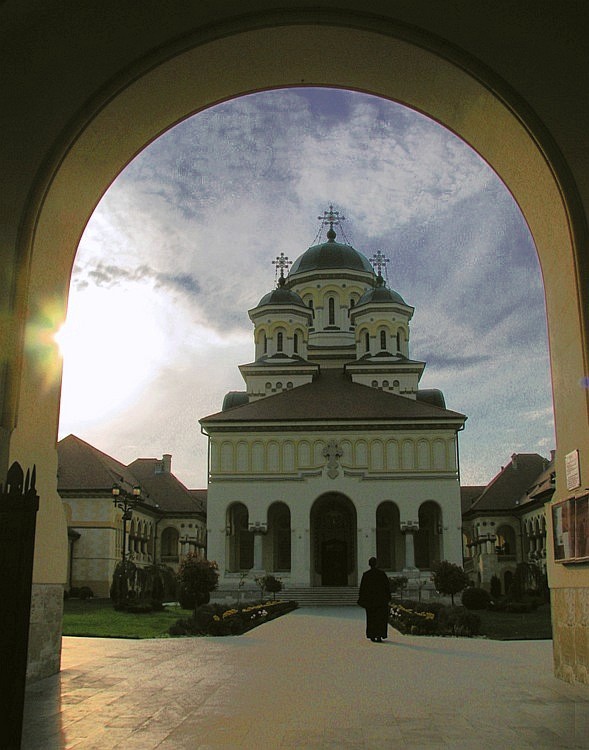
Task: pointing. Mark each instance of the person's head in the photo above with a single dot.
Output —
(372, 562)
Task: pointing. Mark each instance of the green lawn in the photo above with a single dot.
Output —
(96, 617)
(502, 626)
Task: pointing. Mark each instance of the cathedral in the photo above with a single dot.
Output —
(332, 453)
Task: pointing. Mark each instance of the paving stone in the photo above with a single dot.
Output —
(307, 680)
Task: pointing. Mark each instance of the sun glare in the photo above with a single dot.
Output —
(111, 345)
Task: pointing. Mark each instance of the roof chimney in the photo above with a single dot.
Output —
(167, 463)
(514, 460)
(552, 456)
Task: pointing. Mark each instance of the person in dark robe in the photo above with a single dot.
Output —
(374, 597)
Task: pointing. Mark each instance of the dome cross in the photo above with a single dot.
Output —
(379, 261)
(281, 262)
(331, 217)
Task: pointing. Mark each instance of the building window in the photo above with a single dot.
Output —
(331, 306)
(398, 341)
(367, 341)
(295, 344)
(265, 344)
(383, 340)
(279, 342)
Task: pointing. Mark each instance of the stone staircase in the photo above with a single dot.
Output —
(322, 596)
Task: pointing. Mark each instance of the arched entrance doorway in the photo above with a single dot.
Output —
(125, 100)
(333, 535)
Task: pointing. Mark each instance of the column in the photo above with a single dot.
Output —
(409, 528)
(258, 550)
(299, 557)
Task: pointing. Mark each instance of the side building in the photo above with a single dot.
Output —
(167, 522)
(504, 523)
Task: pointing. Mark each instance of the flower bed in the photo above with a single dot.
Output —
(216, 619)
(434, 618)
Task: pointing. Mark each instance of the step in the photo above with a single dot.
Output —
(322, 596)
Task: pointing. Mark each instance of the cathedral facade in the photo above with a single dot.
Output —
(333, 453)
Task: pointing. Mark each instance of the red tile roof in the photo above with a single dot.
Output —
(504, 492)
(83, 468)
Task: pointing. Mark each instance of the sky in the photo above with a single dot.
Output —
(181, 246)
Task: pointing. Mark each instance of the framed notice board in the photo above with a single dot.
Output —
(570, 524)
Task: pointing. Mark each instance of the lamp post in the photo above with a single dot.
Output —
(126, 501)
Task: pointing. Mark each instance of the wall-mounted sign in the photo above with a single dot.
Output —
(570, 524)
(572, 470)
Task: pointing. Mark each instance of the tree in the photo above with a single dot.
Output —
(196, 578)
(449, 578)
(273, 585)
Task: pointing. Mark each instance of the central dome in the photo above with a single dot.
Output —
(330, 254)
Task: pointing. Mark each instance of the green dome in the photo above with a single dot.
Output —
(281, 296)
(330, 254)
(380, 293)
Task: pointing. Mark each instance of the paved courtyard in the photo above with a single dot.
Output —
(307, 680)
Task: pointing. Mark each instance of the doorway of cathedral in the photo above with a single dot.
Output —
(333, 531)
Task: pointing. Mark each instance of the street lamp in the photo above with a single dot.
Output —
(126, 501)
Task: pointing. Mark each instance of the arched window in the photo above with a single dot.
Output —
(331, 306)
(240, 539)
(169, 551)
(428, 538)
(388, 537)
(367, 341)
(279, 536)
(505, 541)
(265, 344)
(383, 340)
(279, 341)
(398, 341)
(295, 343)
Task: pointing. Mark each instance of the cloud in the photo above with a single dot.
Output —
(111, 275)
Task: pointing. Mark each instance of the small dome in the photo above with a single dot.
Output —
(330, 254)
(234, 398)
(281, 296)
(380, 293)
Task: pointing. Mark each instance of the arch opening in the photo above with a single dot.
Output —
(333, 535)
(425, 78)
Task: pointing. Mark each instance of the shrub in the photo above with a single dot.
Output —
(460, 622)
(475, 598)
(527, 578)
(215, 619)
(86, 593)
(196, 579)
(75, 592)
(410, 617)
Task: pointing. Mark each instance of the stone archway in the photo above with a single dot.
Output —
(175, 79)
(333, 541)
